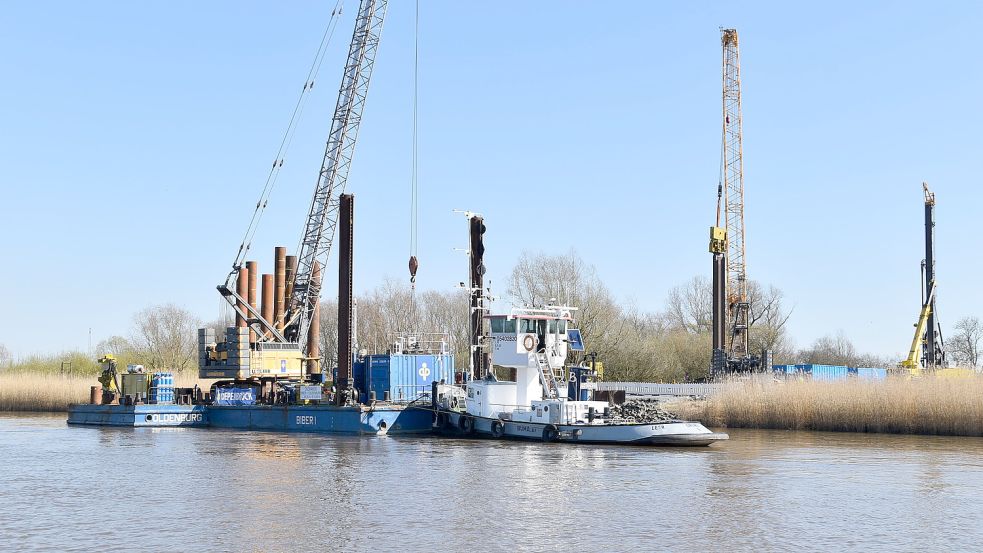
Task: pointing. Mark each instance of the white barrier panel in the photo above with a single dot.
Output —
(658, 389)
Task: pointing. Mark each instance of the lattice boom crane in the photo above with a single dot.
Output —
(322, 219)
(732, 168)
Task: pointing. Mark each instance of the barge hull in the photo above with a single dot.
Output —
(323, 419)
(326, 419)
(676, 433)
(139, 415)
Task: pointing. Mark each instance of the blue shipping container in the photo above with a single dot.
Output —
(405, 377)
(828, 372)
(871, 373)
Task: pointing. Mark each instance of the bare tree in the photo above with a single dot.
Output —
(168, 336)
(117, 346)
(964, 344)
(831, 350)
(392, 309)
(447, 312)
(5, 358)
(329, 335)
(689, 306)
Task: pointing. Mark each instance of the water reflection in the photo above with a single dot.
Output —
(252, 491)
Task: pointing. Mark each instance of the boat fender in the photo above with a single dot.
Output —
(441, 421)
(529, 342)
(467, 424)
(550, 433)
(497, 429)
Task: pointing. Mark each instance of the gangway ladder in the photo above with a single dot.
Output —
(546, 376)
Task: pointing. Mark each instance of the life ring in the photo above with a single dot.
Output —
(550, 433)
(467, 424)
(497, 429)
(529, 342)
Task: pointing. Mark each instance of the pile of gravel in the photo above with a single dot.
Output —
(641, 411)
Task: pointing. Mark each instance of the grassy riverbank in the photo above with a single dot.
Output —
(54, 392)
(939, 406)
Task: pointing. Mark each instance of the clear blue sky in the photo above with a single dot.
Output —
(136, 138)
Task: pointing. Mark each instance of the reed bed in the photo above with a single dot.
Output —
(929, 405)
(22, 391)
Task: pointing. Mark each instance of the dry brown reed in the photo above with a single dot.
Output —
(928, 405)
(54, 392)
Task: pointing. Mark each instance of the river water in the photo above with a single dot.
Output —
(104, 489)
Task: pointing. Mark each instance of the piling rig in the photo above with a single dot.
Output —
(731, 312)
(927, 347)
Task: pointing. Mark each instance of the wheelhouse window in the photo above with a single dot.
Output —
(527, 326)
(561, 327)
(498, 325)
(501, 325)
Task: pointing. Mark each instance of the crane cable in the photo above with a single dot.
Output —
(414, 177)
(287, 140)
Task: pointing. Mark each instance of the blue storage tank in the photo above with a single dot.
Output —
(871, 373)
(405, 376)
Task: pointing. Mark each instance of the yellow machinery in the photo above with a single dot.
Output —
(110, 374)
(914, 361)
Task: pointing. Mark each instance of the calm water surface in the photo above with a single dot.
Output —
(102, 489)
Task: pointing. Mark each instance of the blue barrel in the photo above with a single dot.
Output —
(161, 388)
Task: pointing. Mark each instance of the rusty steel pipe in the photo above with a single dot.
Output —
(267, 300)
(290, 274)
(314, 332)
(279, 286)
(253, 268)
(242, 288)
(95, 395)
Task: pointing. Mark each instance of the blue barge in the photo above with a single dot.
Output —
(358, 419)
(393, 397)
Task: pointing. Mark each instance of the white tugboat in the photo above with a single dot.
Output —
(547, 401)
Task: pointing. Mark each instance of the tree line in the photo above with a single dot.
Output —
(671, 344)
